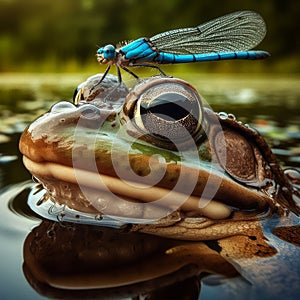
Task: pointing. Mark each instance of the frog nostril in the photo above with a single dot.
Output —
(62, 106)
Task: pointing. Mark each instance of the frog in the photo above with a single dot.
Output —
(158, 159)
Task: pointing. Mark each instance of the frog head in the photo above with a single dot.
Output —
(156, 158)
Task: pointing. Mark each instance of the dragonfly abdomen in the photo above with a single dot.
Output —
(170, 58)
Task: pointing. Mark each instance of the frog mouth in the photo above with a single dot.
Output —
(122, 200)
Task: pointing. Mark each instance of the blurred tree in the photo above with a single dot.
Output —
(35, 32)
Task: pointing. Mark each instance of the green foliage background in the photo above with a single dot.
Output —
(63, 35)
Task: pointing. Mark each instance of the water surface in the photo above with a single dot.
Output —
(268, 103)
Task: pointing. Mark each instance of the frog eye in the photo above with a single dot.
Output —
(167, 108)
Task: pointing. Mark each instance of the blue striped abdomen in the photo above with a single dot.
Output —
(169, 58)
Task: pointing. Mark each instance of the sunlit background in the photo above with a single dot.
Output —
(63, 36)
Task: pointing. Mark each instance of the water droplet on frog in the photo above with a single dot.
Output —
(51, 233)
(60, 217)
(101, 204)
(62, 107)
(54, 210)
(99, 217)
(293, 176)
(296, 199)
(223, 115)
(232, 117)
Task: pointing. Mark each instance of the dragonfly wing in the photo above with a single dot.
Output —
(238, 31)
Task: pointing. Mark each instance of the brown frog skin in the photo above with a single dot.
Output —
(111, 132)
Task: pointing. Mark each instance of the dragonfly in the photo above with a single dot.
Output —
(231, 36)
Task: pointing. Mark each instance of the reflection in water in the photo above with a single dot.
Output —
(63, 260)
(266, 263)
(74, 260)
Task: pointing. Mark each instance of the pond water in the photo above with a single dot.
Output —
(270, 104)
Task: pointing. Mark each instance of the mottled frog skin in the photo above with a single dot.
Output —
(159, 134)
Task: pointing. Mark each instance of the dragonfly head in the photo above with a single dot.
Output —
(106, 54)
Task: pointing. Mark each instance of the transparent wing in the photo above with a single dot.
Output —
(238, 31)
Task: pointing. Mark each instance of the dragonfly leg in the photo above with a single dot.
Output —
(103, 76)
(130, 72)
(119, 74)
(150, 66)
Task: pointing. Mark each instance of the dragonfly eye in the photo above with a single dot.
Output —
(100, 51)
(109, 52)
(167, 109)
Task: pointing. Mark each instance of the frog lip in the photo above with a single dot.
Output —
(48, 172)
